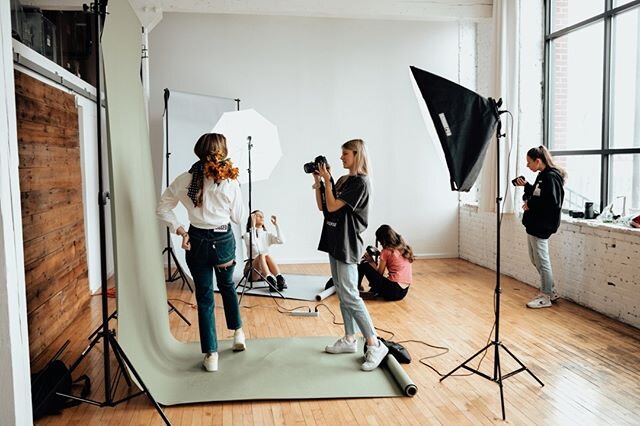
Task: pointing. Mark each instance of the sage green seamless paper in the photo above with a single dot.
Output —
(294, 368)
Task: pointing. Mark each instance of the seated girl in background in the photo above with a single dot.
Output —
(262, 240)
(396, 257)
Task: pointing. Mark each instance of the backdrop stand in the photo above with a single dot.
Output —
(178, 274)
(496, 344)
(98, 9)
(247, 277)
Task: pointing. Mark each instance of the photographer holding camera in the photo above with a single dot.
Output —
(542, 207)
(346, 215)
(396, 257)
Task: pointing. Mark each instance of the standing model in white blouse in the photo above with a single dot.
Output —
(211, 194)
(260, 242)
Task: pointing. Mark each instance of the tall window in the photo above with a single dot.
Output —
(592, 98)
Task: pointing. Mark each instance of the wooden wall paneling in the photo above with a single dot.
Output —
(52, 211)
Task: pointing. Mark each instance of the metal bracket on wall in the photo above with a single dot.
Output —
(53, 76)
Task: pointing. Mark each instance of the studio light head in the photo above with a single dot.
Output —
(461, 120)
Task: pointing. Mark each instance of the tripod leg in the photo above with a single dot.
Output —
(464, 364)
(244, 286)
(264, 278)
(168, 264)
(524, 367)
(116, 346)
(123, 369)
(173, 308)
(180, 272)
(498, 378)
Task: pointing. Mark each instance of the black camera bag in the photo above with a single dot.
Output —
(398, 351)
(55, 377)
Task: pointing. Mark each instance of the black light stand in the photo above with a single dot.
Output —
(98, 9)
(247, 278)
(178, 274)
(496, 344)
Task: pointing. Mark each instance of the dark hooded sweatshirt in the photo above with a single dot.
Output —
(544, 199)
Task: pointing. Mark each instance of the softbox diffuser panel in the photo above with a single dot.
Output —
(188, 116)
(464, 123)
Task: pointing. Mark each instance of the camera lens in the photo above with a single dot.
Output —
(310, 167)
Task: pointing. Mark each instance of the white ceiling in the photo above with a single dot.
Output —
(414, 10)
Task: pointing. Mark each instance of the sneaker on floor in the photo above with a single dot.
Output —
(273, 285)
(282, 284)
(541, 301)
(554, 296)
(367, 295)
(342, 346)
(210, 362)
(239, 343)
(374, 356)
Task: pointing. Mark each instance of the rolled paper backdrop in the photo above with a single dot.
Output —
(401, 377)
(325, 293)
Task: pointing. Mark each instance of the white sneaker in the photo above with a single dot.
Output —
(342, 346)
(554, 296)
(374, 356)
(210, 362)
(541, 301)
(239, 343)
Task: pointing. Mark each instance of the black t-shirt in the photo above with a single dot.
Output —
(341, 229)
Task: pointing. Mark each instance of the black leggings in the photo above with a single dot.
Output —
(380, 285)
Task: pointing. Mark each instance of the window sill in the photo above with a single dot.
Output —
(595, 224)
(584, 224)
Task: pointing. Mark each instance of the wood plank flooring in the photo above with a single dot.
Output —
(590, 364)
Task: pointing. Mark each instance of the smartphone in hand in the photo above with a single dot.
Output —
(513, 182)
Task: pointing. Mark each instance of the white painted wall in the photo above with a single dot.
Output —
(15, 382)
(322, 81)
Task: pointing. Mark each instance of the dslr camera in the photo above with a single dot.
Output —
(312, 166)
(373, 252)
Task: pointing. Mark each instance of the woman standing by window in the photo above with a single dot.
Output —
(542, 207)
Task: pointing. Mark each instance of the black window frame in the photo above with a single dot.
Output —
(606, 152)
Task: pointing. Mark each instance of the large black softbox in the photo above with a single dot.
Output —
(464, 123)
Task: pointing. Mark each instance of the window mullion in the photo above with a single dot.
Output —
(546, 93)
(606, 106)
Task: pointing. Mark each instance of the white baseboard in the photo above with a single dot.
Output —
(323, 258)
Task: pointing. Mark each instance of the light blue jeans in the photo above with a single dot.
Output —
(354, 311)
(539, 255)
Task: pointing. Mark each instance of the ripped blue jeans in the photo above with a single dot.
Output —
(208, 250)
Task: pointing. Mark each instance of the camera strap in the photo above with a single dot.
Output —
(323, 196)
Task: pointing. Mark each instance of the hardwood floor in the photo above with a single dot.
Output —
(590, 364)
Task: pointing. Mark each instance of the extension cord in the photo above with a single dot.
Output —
(304, 313)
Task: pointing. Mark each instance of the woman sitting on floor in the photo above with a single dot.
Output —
(396, 257)
(260, 242)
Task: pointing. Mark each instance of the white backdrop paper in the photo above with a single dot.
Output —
(190, 116)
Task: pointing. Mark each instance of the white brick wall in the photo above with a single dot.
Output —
(594, 266)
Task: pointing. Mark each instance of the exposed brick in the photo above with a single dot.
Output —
(585, 260)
